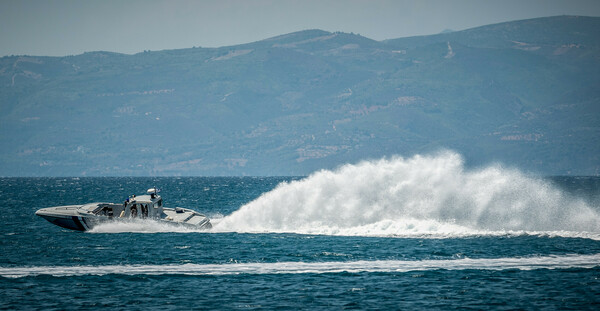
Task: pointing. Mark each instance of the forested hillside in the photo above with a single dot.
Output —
(523, 93)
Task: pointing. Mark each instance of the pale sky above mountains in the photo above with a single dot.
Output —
(69, 27)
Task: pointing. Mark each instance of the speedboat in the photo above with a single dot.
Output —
(149, 206)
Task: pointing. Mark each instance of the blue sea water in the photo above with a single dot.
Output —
(418, 233)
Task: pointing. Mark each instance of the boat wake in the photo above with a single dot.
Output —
(425, 196)
(141, 226)
(381, 266)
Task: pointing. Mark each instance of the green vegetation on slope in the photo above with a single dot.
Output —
(524, 93)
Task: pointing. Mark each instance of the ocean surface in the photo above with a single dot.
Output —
(398, 233)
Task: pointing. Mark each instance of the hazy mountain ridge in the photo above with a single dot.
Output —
(524, 93)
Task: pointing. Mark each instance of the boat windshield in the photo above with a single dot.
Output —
(108, 209)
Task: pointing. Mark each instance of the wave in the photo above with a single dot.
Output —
(389, 266)
(419, 196)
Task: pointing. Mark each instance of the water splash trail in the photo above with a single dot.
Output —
(423, 195)
(141, 226)
(381, 266)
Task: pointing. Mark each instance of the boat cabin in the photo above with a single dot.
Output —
(143, 206)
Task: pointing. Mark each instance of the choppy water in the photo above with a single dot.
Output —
(415, 233)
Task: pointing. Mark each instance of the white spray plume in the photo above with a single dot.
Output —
(421, 195)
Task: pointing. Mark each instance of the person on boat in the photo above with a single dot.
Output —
(145, 211)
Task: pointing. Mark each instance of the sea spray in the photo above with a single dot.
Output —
(421, 195)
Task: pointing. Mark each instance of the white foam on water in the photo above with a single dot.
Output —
(518, 263)
(140, 226)
(422, 196)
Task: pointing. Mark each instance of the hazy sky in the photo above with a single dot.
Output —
(67, 27)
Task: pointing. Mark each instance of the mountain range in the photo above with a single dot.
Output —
(524, 93)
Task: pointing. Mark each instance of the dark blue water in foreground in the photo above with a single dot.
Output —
(281, 265)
